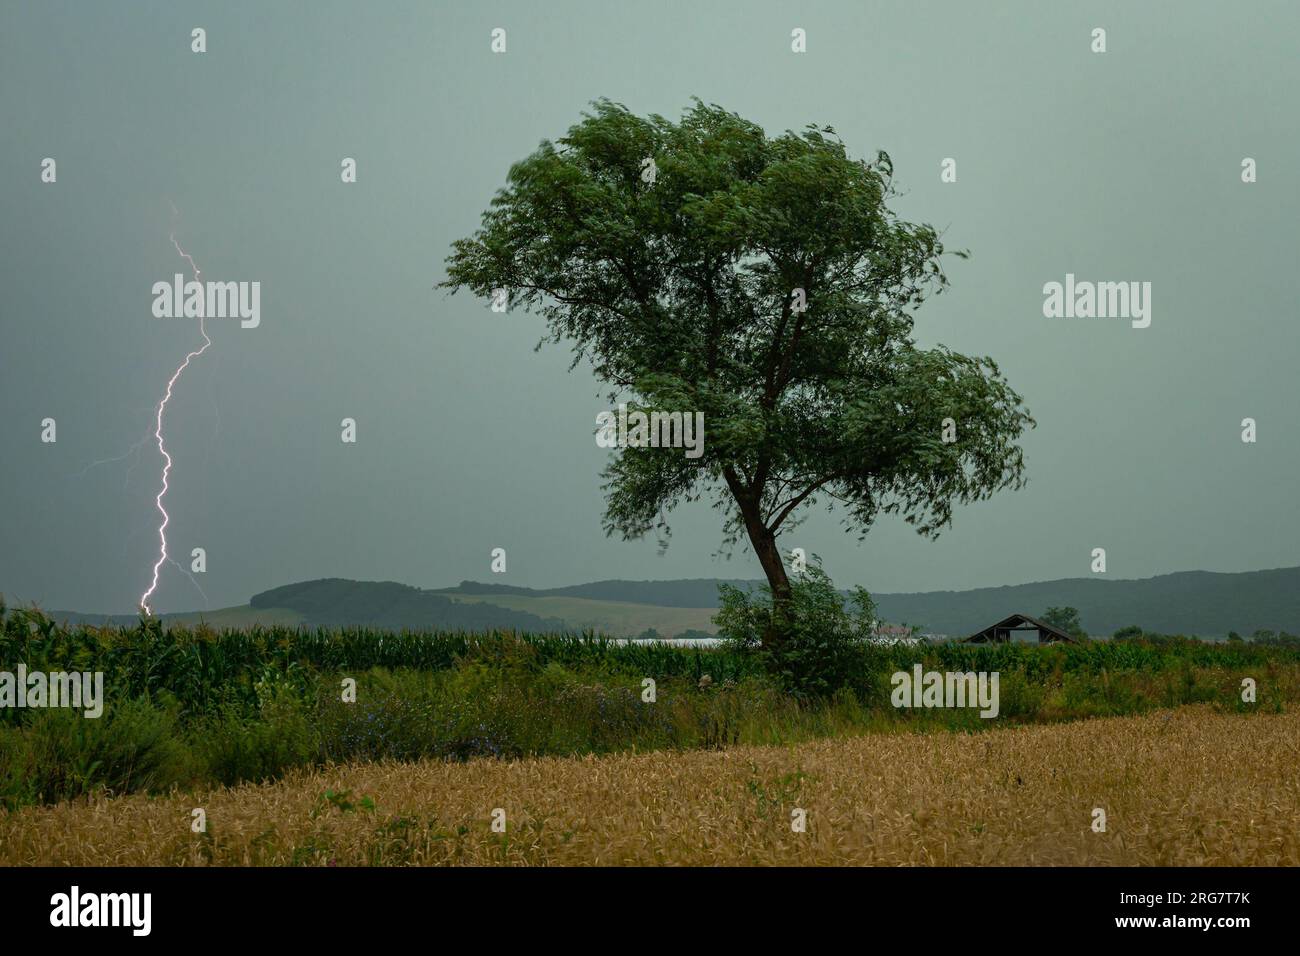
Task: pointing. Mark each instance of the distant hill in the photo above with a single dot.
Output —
(238, 616)
(1204, 603)
(614, 618)
(338, 602)
(683, 592)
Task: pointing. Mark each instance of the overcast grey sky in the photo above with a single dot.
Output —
(1117, 166)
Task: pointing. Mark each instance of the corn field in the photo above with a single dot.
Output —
(197, 666)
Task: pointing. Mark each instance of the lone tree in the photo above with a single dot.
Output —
(702, 266)
(1067, 619)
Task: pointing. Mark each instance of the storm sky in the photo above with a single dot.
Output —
(1116, 166)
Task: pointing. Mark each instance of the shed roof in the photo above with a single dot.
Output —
(1018, 621)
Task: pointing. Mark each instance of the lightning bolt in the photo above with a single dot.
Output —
(158, 430)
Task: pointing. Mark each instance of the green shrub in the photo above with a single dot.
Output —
(60, 754)
(233, 748)
(821, 648)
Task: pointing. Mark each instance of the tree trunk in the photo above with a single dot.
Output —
(769, 557)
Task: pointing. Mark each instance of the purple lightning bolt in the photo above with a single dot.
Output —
(167, 459)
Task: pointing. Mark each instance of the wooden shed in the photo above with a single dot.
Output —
(1020, 629)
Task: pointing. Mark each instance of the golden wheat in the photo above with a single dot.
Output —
(1188, 787)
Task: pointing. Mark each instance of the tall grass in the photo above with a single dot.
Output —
(1189, 787)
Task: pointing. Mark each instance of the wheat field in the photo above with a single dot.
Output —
(1185, 787)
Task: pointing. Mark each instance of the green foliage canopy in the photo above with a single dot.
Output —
(681, 288)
